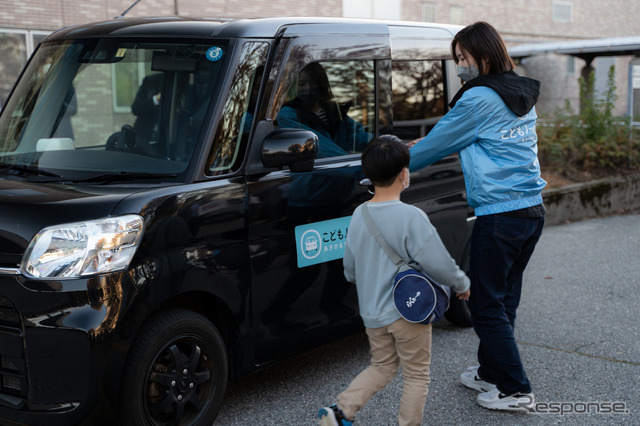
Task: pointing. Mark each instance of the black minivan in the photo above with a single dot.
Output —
(166, 224)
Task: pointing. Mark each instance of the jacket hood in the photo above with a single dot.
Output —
(520, 94)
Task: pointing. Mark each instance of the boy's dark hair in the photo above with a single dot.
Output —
(383, 159)
(484, 44)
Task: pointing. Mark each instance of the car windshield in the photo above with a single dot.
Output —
(86, 108)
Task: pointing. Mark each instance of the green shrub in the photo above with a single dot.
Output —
(592, 140)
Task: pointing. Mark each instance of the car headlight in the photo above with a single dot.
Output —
(80, 249)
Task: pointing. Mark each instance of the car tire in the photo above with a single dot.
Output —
(176, 372)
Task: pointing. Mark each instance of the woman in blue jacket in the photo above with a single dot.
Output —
(492, 125)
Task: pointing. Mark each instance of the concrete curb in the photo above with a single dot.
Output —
(592, 199)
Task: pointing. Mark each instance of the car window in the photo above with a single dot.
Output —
(335, 100)
(419, 98)
(95, 107)
(233, 131)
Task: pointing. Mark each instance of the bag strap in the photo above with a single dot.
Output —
(395, 257)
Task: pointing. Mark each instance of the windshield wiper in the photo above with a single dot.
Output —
(111, 177)
(28, 169)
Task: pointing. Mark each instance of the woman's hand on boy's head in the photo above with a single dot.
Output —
(464, 296)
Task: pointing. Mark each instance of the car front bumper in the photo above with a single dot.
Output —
(55, 337)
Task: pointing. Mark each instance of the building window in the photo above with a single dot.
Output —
(428, 12)
(561, 11)
(381, 9)
(457, 15)
(602, 67)
(36, 38)
(15, 47)
(571, 65)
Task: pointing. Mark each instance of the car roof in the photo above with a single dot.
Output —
(242, 28)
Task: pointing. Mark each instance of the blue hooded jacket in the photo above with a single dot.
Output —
(492, 125)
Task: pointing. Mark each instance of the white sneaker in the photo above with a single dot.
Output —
(471, 380)
(496, 400)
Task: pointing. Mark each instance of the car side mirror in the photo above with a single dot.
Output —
(294, 148)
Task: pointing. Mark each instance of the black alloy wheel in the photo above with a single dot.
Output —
(176, 372)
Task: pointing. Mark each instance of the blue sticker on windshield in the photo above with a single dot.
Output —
(214, 53)
(321, 242)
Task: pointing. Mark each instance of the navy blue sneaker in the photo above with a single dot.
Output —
(332, 416)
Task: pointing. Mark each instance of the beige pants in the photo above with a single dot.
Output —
(400, 343)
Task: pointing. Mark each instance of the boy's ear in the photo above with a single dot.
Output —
(403, 175)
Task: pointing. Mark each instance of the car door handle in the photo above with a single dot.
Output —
(368, 184)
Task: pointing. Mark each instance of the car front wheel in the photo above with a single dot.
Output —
(176, 372)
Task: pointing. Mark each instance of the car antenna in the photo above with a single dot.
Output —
(127, 10)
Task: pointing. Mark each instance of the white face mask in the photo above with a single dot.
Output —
(468, 73)
(406, 185)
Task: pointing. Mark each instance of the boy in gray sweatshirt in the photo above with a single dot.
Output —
(393, 341)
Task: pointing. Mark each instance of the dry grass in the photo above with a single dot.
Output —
(556, 180)
(559, 180)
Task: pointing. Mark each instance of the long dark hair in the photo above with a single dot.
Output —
(319, 76)
(485, 45)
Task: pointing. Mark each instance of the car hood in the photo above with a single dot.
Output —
(28, 207)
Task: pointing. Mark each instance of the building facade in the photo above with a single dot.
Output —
(23, 24)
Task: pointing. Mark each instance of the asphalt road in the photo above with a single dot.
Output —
(577, 329)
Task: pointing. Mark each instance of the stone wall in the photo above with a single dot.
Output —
(592, 199)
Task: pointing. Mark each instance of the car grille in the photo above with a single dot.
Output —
(10, 253)
(13, 366)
